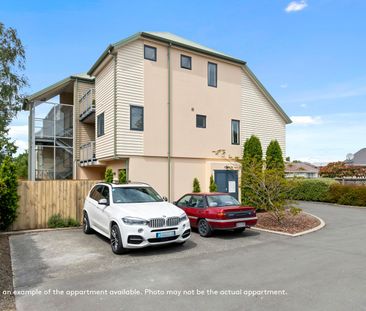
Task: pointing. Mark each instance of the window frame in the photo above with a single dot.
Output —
(232, 132)
(205, 121)
(143, 122)
(100, 131)
(181, 61)
(208, 74)
(150, 47)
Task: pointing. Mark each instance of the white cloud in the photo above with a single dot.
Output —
(303, 105)
(296, 6)
(18, 130)
(330, 140)
(306, 120)
(284, 86)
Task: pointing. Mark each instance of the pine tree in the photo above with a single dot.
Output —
(122, 177)
(274, 158)
(196, 185)
(213, 186)
(252, 168)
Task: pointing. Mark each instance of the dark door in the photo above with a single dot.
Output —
(227, 181)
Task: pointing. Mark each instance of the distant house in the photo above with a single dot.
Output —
(301, 169)
(357, 159)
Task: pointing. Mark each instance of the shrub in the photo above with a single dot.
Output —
(108, 175)
(8, 193)
(122, 176)
(213, 186)
(347, 194)
(57, 221)
(196, 185)
(308, 189)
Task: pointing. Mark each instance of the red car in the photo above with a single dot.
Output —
(216, 211)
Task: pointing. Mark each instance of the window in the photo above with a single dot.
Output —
(100, 125)
(186, 62)
(200, 121)
(137, 118)
(96, 193)
(184, 201)
(197, 201)
(135, 195)
(212, 74)
(235, 132)
(150, 53)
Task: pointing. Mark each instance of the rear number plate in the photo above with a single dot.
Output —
(240, 224)
(165, 234)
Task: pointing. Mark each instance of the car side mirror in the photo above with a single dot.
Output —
(165, 199)
(103, 202)
(175, 202)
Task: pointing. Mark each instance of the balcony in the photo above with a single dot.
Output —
(87, 107)
(87, 155)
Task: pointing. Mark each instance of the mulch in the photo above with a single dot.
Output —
(7, 302)
(290, 224)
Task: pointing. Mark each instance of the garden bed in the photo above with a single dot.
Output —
(290, 223)
(7, 302)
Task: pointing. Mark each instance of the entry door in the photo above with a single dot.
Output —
(227, 181)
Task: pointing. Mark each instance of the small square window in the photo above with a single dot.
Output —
(212, 74)
(186, 62)
(100, 124)
(235, 132)
(200, 121)
(150, 53)
(137, 118)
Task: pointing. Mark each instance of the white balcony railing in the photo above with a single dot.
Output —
(87, 103)
(87, 152)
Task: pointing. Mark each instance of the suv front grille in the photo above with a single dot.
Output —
(157, 223)
(161, 222)
(172, 221)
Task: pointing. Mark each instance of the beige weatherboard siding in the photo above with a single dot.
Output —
(104, 99)
(259, 117)
(130, 91)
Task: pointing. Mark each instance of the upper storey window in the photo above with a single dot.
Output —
(212, 74)
(186, 62)
(150, 52)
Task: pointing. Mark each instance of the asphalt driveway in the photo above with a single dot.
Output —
(325, 270)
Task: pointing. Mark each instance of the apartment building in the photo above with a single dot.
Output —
(158, 106)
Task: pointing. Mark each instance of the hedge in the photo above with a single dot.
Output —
(326, 190)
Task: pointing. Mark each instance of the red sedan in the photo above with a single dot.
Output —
(216, 211)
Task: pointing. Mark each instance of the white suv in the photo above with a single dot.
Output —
(133, 216)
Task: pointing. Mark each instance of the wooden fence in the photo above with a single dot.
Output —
(39, 200)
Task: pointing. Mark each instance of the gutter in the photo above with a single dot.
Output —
(169, 124)
(114, 55)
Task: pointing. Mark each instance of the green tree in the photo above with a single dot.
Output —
(12, 61)
(108, 175)
(251, 170)
(196, 185)
(274, 158)
(21, 164)
(213, 186)
(122, 176)
(8, 193)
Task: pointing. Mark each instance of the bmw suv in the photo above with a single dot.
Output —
(133, 216)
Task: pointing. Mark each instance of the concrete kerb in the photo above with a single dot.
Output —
(320, 226)
(37, 230)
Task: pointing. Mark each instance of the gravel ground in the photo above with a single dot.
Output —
(290, 224)
(7, 302)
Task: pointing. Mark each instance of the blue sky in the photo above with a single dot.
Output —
(310, 55)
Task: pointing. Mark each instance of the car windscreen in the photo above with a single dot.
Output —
(135, 195)
(222, 200)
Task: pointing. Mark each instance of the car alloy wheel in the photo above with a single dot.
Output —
(204, 228)
(86, 224)
(116, 240)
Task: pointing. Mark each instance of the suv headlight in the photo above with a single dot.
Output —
(134, 221)
(183, 217)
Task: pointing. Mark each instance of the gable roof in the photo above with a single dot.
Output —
(301, 167)
(359, 158)
(167, 37)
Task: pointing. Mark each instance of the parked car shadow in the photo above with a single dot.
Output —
(154, 250)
